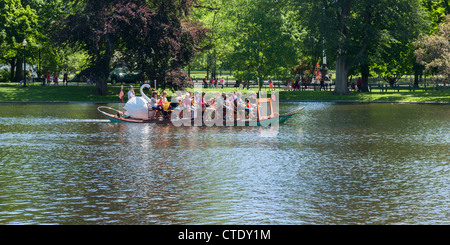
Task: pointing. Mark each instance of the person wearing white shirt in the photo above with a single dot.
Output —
(154, 100)
(131, 93)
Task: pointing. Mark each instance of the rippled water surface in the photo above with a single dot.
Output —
(330, 164)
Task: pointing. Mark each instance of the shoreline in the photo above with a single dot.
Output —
(74, 94)
(371, 101)
(307, 101)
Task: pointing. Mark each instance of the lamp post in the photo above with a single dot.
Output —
(39, 68)
(24, 44)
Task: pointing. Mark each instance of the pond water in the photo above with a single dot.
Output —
(330, 164)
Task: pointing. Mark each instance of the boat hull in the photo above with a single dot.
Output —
(118, 118)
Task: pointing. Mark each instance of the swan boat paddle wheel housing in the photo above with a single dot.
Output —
(139, 110)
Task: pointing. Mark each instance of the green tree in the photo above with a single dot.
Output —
(352, 30)
(155, 35)
(16, 24)
(436, 12)
(216, 48)
(394, 62)
(263, 46)
(433, 51)
(55, 56)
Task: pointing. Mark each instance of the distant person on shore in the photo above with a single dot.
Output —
(47, 77)
(205, 83)
(55, 79)
(88, 79)
(359, 84)
(66, 78)
(222, 81)
(203, 103)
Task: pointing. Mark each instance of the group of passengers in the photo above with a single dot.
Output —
(233, 106)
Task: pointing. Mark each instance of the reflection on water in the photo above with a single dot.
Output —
(331, 164)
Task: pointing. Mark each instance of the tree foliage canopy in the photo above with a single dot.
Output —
(16, 24)
(255, 39)
(434, 51)
(356, 32)
(155, 37)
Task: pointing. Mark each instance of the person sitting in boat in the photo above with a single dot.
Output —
(238, 100)
(221, 99)
(253, 104)
(186, 103)
(131, 93)
(161, 102)
(197, 99)
(196, 104)
(239, 105)
(221, 106)
(230, 99)
(213, 101)
(249, 109)
(229, 107)
(164, 97)
(176, 100)
(203, 103)
(154, 100)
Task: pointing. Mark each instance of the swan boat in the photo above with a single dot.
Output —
(120, 117)
(117, 116)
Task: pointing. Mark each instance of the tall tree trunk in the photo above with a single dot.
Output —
(101, 87)
(417, 72)
(102, 69)
(342, 66)
(341, 87)
(12, 63)
(214, 64)
(18, 76)
(416, 79)
(101, 75)
(189, 70)
(209, 66)
(365, 77)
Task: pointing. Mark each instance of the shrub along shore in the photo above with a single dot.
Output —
(10, 92)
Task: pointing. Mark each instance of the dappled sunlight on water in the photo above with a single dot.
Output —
(330, 164)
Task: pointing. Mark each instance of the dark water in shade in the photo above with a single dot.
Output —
(330, 164)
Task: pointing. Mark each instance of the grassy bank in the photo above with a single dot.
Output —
(418, 96)
(12, 92)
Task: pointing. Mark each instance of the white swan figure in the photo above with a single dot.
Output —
(137, 107)
(142, 92)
